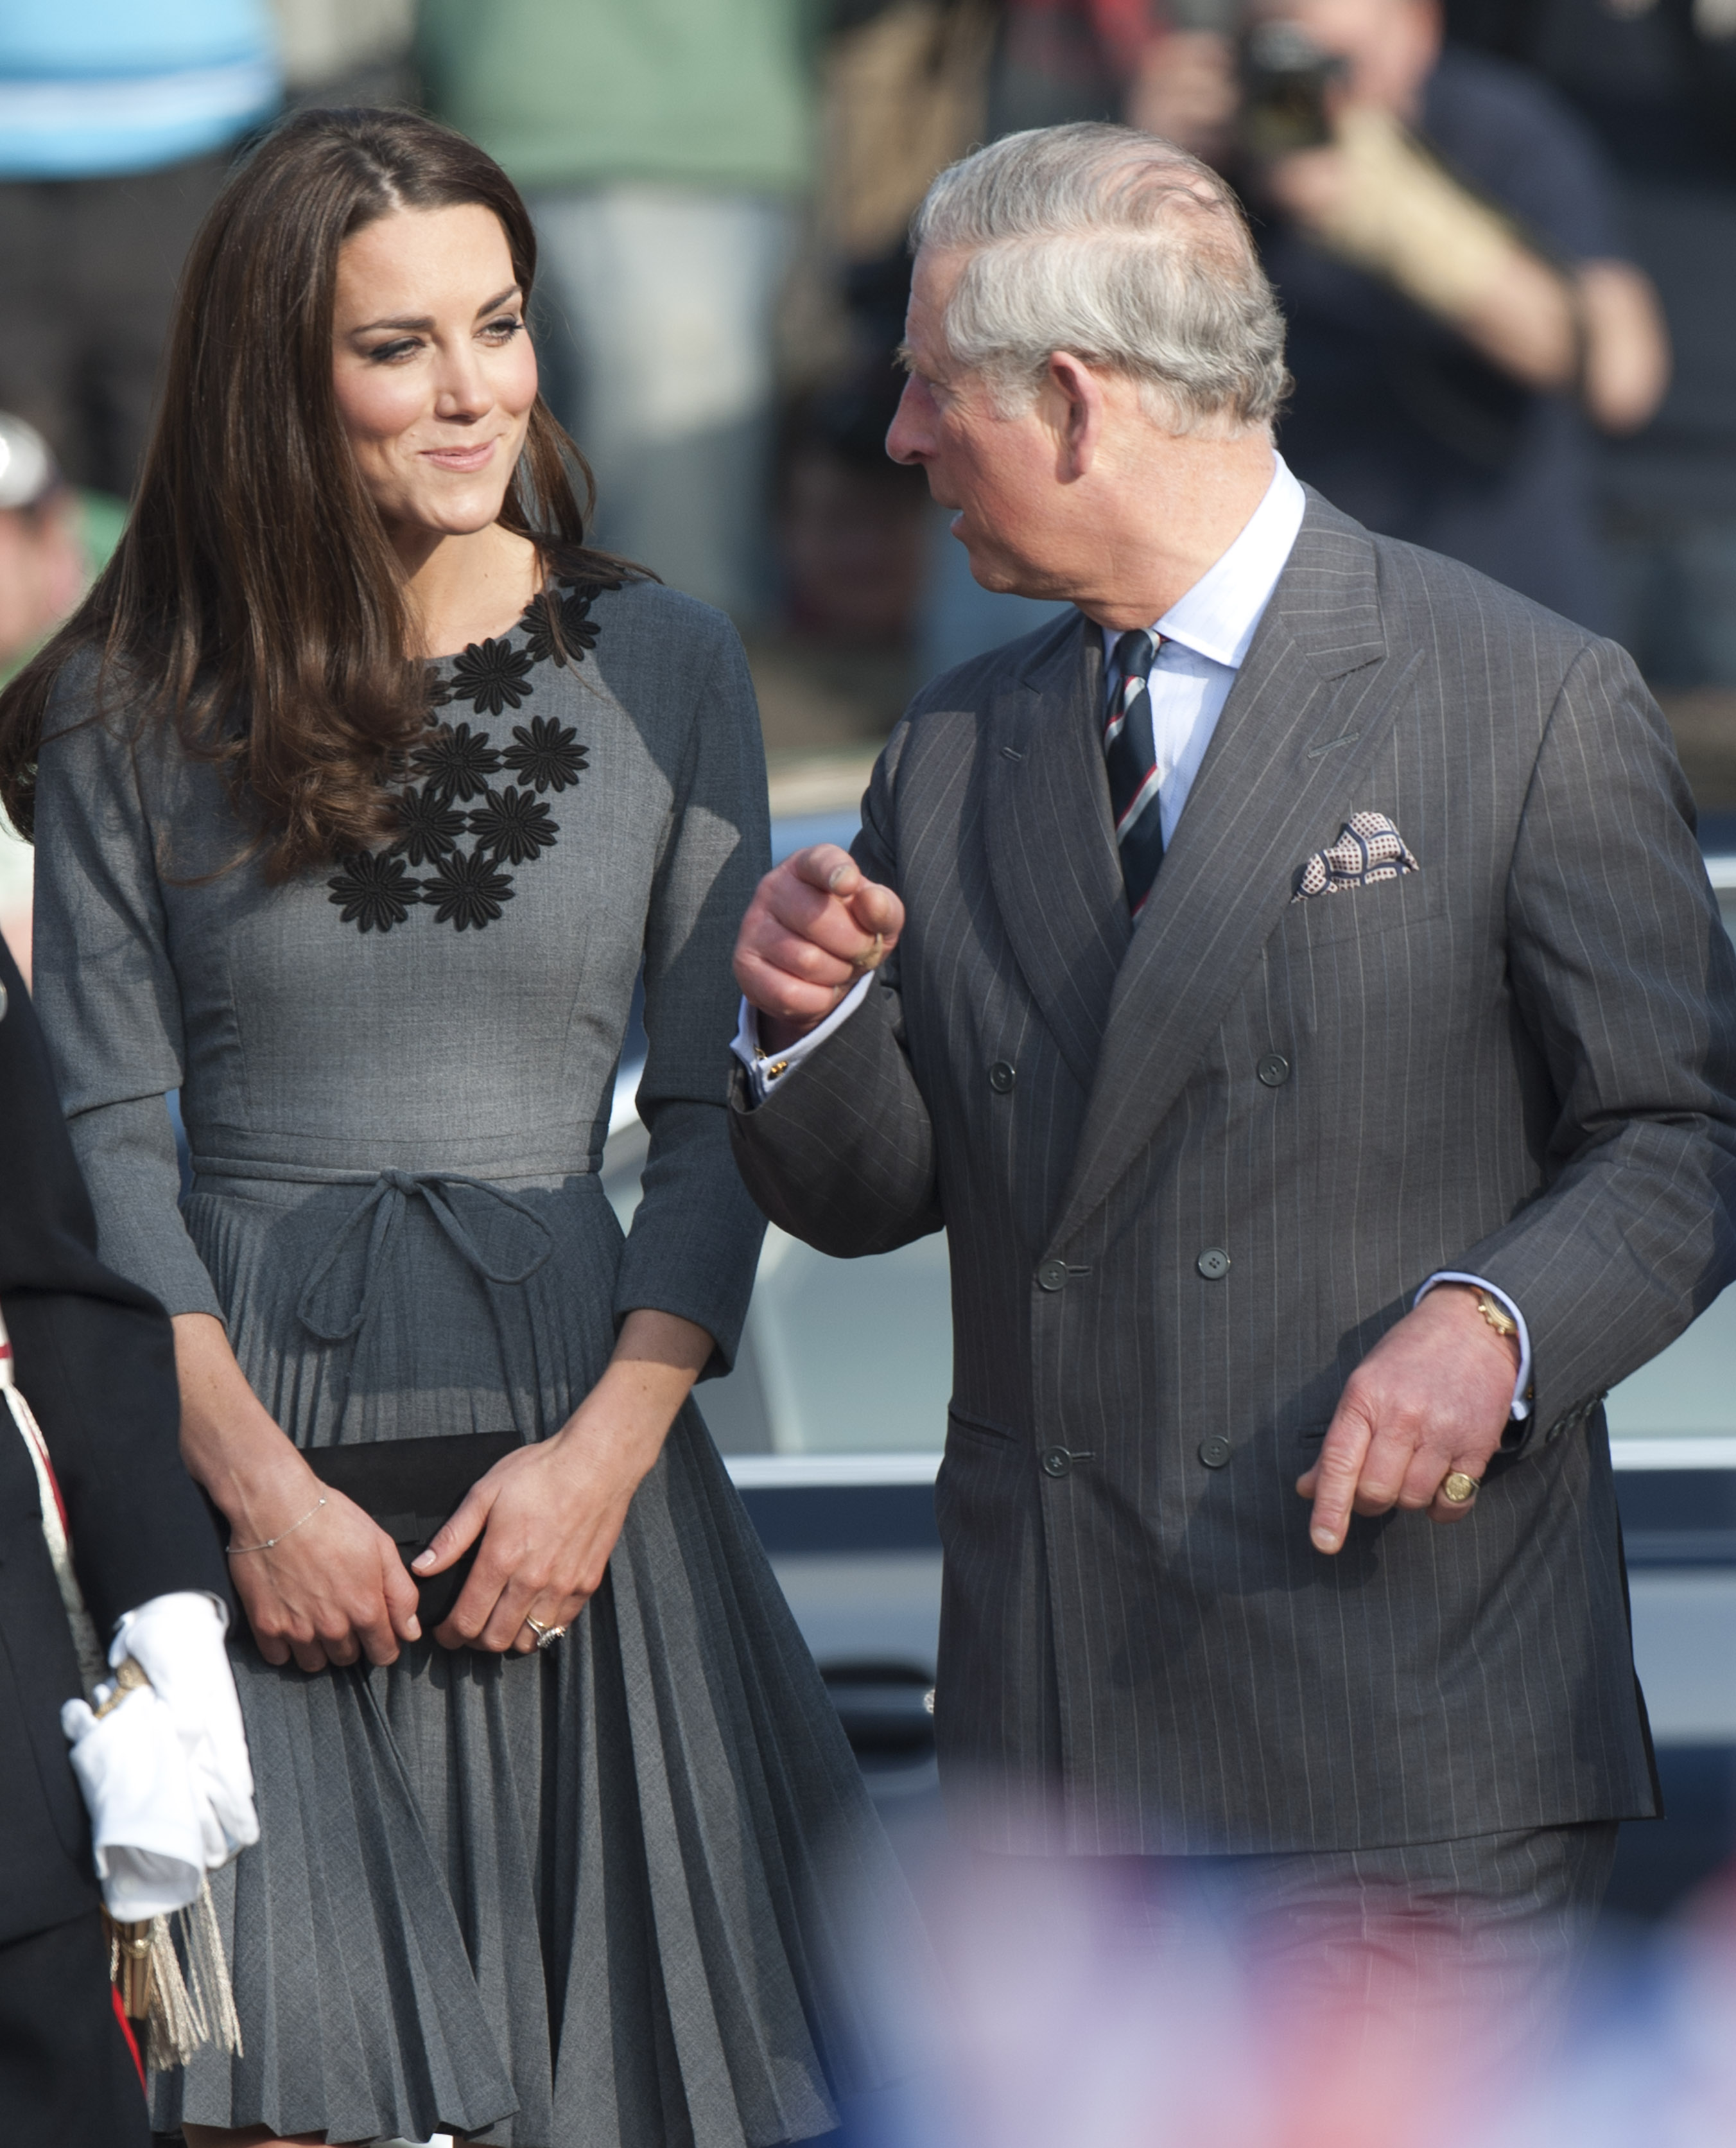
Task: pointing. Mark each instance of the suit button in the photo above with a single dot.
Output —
(1214, 1264)
(1057, 1461)
(1052, 1275)
(1274, 1069)
(1001, 1077)
(1215, 1452)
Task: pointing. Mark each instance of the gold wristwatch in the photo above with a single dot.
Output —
(1496, 1315)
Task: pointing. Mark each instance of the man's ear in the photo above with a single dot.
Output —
(1078, 406)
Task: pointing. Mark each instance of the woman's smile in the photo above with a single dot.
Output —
(472, 455)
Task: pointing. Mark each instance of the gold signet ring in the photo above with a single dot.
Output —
(1458, 1489)
(874, 957)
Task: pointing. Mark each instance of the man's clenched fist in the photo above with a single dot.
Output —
(814, 925)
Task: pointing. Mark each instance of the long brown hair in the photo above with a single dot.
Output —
(254, 600)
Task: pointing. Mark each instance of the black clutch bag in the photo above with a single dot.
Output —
(410, 1487)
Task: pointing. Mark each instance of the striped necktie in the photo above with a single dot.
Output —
(1130, 751)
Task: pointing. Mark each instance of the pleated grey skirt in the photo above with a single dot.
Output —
(616, 1892)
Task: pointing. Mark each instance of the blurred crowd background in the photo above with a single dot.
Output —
(1503, 231)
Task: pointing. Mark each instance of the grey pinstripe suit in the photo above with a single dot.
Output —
(1518, 1060)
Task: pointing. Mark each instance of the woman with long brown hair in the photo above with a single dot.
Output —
(362, 789)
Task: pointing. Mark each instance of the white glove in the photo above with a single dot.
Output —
(177, 1641)
(145, 1819)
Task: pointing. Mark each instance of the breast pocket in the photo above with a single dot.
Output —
(1365, 913)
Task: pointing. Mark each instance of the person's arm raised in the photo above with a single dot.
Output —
(840, 1152)
(1377, 199)
(816, 923)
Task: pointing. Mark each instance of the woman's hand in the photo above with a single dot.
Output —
(333, 1589)
(332, 1586)
(549, 1516)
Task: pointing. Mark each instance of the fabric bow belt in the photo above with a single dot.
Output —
(497, 1235)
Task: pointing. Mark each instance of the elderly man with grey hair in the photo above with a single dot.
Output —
(1292, 984)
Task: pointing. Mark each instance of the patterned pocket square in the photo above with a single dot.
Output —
(1369, 849)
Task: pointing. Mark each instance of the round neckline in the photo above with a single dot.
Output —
(452, 655)
(553, 587)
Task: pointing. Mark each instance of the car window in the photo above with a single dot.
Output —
(839, 1356)
(1689, 1391)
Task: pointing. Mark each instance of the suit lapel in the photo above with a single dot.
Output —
(1052, 855)
(1314, 698)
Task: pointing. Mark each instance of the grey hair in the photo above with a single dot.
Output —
(1121, 248)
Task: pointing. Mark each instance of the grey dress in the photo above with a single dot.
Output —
(591, 1896)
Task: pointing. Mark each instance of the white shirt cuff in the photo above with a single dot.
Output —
(763, 1074)
(1522, 1401)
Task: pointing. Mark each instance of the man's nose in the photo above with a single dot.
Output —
(909, 437)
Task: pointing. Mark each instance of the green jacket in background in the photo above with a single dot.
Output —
(715, 93)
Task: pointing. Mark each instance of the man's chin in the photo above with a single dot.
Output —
(992, 570)
(1006, 578)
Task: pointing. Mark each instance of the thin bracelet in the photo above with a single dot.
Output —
(239, 1551)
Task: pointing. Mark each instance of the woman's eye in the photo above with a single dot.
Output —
(386, 354)
(504, 329)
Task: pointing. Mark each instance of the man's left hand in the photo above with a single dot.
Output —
(1432, 1396)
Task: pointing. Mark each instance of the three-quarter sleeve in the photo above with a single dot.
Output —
(110, 1006)
(694, 1242)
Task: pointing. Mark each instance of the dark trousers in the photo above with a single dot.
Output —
(87, 272)
(1410, 1945)
(1501, 1920)
(67, 2078)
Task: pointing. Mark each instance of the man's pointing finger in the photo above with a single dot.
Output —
(1333, 1481)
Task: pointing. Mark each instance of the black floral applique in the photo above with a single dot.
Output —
(491, 675)
(468, 889)
(514, 827)
(546, 755)
(456, 764)
(452, 764)
(579, 631)
(374, 889)
(430, 824)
